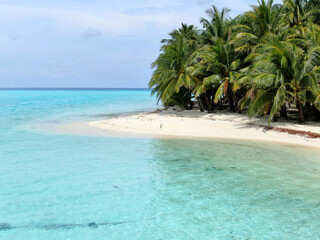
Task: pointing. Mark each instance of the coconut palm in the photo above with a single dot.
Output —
(283, 72)
(312, 5)
(171, 77)
(256, 26)
(267, 57)
(217, 26)
(221, 65)
(215, 66)
(298, 15)
(189, 32)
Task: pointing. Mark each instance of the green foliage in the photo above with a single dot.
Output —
(268, 56)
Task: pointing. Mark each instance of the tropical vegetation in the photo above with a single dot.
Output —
(261, 62)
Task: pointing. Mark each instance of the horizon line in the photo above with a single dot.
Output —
(71, 88)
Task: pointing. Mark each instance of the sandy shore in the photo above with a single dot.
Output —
(222, 125)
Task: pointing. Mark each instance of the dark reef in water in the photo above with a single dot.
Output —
(7, 226)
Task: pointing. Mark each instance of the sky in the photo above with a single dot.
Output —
(91, 43)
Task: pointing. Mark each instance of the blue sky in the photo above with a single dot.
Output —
(90, 43)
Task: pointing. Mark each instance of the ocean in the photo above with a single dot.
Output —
(64, 186)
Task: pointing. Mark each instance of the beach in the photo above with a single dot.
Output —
(221, 125)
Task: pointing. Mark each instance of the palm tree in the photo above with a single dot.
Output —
(256, 26)
(171, 77)
(298, 17)
(215, 62)
(312, 5)
(283, 72)
(217, 27)
(268, 56)
(189, 32)
(221, 65)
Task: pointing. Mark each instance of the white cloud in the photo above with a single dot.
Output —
(110, 17)
(43, 39)
(114, 19)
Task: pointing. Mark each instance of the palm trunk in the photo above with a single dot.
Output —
(220, 104)
(204, 103)
(301, 117)
(236, 103)
(212, 101)
(210, 110)
(283, 112)
(267, 109)
(308, 106)
(316, 113)
(231, 100)
(200, 105)
(191, 104)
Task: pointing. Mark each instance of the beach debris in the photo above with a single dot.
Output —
(158, 110)
(288, 131)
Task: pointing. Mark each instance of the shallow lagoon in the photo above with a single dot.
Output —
(53, 185)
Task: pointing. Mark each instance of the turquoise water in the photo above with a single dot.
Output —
(84, 187)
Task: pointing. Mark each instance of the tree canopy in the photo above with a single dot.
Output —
(261, 61)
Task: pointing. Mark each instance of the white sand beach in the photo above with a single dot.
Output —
(220, 125)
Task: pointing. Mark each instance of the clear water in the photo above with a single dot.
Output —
(52, 186)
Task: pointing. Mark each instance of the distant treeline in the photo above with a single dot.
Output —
(263, 61)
